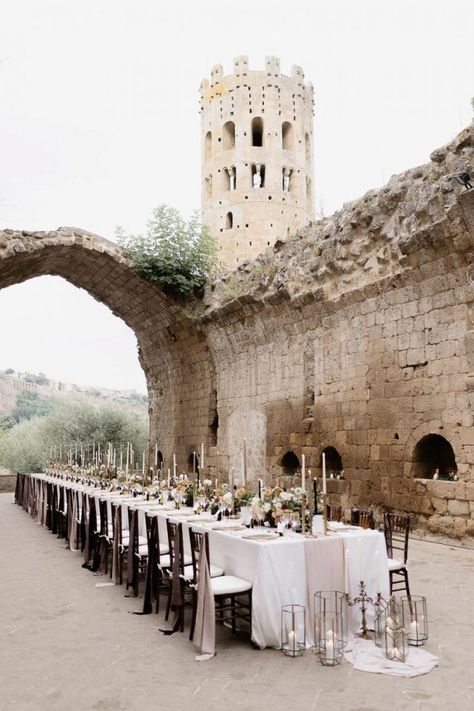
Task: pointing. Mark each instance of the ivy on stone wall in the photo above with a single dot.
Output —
(178, 254)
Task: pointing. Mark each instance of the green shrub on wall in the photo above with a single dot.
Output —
(178, 254)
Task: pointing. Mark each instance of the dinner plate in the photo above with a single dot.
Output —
(202, 519)
(261, 536)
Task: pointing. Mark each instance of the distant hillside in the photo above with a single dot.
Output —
(15, 385)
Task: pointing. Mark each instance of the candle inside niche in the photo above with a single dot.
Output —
(324, 473)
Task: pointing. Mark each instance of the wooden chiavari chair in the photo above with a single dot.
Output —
(232, 595)
(334, 513)
(397, 531)
(364, 519)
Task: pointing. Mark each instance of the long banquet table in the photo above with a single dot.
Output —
(284, 570)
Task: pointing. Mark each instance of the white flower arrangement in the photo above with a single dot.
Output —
(227, 498)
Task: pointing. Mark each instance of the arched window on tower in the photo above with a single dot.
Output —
(230, 181)
(307, 145)
(257, 132)
(258, 175)
(287, 182)
(309, 190)
(207, 145)
(229, 221)
(228, 135)
(287, 136)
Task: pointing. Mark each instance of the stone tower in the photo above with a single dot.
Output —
(257, 157)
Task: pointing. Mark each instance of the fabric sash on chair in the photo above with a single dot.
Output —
(151, 566)
(116, 552)
(132, 560)
(205, 630)
(177, 597)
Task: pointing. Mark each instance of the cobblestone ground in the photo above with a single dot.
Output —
(67, 644)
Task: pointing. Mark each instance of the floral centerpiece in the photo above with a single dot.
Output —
(275, 504)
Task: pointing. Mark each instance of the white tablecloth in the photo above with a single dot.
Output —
(286, 570)
(292, 568)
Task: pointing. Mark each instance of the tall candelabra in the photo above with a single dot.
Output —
(363, 599)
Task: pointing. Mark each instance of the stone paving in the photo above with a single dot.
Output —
(66, 644)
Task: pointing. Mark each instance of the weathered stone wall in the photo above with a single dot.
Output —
(357, 334)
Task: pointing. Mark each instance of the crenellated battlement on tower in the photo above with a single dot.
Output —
(257, 156)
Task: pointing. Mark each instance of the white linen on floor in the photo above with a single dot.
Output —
(365, 656)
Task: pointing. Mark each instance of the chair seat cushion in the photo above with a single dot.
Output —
(214, 569)
(164, 561)
(229, 585)
(395, 564)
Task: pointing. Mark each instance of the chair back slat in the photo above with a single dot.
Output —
(397, 531)
(175, 532)
(366, 519)
(197, 540)
(334, 513)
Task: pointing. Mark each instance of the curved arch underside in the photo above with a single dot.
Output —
(177, 366)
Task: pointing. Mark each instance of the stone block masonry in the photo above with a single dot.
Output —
(357, 335)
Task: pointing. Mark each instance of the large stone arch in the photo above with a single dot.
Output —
(172, 351)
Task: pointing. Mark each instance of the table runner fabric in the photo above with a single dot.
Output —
(324, 558)
(365, 559)
(365, 656)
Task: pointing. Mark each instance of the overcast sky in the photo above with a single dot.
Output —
(99, 124)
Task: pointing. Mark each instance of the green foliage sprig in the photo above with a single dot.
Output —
(178, 254)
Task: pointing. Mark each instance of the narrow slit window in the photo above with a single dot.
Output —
(229, 221)
(208, 145)
(257, 132)
(287, 136)
(228, 138)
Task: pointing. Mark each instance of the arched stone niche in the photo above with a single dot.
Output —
(250, 425)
